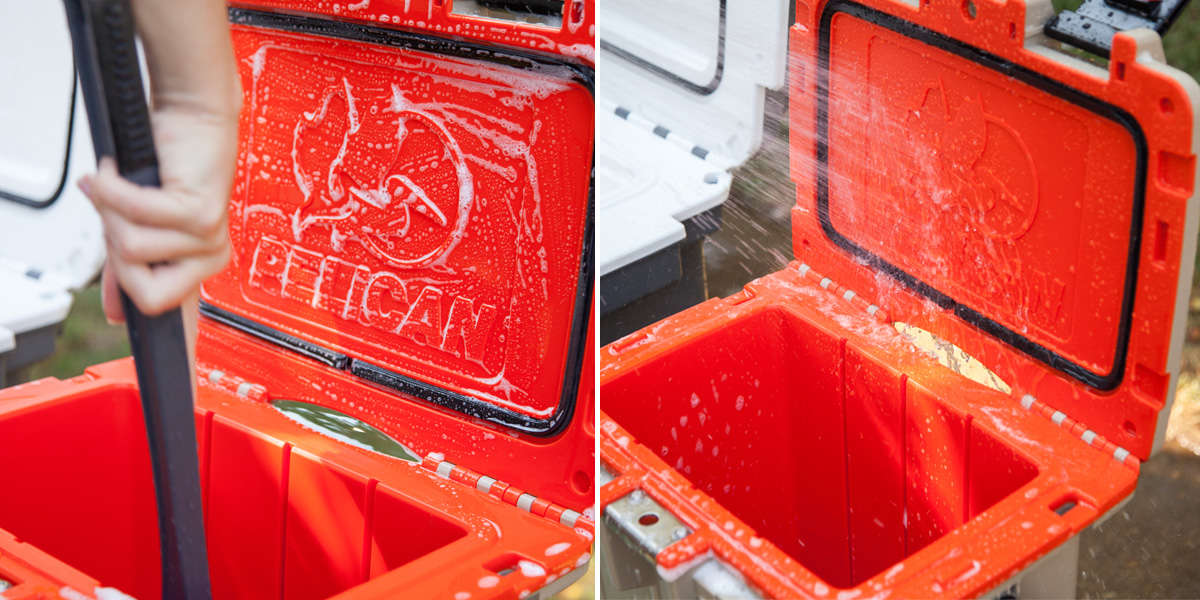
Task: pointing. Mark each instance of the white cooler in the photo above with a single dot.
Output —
(50, 237)
(679, 103)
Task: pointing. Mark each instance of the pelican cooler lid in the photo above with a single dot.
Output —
(1026, 205)
(415, 209)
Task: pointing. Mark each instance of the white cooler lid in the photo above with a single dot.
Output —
(50, 237)
(30, 300)
(681, 85)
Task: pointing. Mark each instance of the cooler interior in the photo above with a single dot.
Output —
(280, 522)
(837, 459)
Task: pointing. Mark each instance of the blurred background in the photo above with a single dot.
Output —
(1151, 548)
(87, 339)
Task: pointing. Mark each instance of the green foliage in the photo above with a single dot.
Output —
(1182, 42)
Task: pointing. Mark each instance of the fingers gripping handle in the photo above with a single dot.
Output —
(103, 36)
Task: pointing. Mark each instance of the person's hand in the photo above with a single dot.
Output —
(162, 243)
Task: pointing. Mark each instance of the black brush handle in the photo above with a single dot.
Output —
(103, 36)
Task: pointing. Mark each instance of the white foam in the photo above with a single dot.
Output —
(530, 568)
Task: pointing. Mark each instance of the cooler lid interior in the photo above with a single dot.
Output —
(415, 210)
(698, 69)
(997, 185)
(1017, 207)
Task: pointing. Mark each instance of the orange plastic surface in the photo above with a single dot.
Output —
(1029, 211)
(811, 446)
(289, 513)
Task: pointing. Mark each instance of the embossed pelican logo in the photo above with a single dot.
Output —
(978, 158)
(377, 170)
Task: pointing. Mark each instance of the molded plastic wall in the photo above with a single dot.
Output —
(817, 447)
(280, 522)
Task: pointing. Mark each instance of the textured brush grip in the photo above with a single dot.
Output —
(117, 62)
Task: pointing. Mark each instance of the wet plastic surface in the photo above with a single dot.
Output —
(808, 414)
(289, 513)
(869, 465)
(1039, 195)
(1144, 550)
(981, 206)
(930, 150)
(413, 208)
(574, 38)
(108, 458)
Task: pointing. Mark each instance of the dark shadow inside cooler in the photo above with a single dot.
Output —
(77, 484)
(823, 451)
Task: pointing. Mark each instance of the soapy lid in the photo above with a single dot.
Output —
(697, 69)
(1018, 201)
(415, 209)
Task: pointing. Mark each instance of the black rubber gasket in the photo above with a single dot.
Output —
(1100, 381)
(62, 180)
(385, 377)
(410, 40)
(266, 333)
(398, 38)
(671, 76)
(447, 399)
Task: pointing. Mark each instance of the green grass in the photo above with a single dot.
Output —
(1182, 42)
